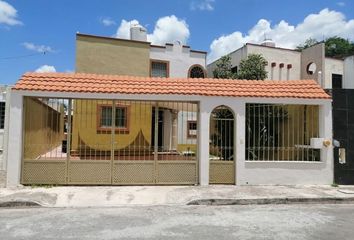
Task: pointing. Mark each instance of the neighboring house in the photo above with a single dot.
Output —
(137, 57)
(4, 109)
(291, 64)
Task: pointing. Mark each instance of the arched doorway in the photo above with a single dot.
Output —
(221, 149)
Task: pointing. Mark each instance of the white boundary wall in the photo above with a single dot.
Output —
(247, 172)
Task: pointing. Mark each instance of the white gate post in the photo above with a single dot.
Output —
(14, 151)
(203, 142)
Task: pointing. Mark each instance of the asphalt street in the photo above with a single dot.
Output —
(181, 222)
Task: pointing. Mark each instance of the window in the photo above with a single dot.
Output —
(234, 69)
(192, 129)
(196, 71)
(121, 118)
(159, 68)
(311, 68)
(337, 80)
(2, 115)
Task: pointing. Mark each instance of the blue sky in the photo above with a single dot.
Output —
(28, 27)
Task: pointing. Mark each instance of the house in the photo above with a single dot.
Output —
(246, 132)
(291, 64)
(137, 57)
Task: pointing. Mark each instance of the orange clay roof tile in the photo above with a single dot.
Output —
(97, 83)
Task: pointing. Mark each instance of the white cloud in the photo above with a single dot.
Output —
(321, 25)
(37, 48)
(8, 14)
(202, 5)
(341, 4)
(45, 69)
(123, 30)
(167, 29)
(107, 21)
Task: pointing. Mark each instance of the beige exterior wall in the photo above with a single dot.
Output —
(236, 57)
(348, 80)
(271, 54)
(111, 56)
(332, 66)
(180, 59)
(278, 56)
(316, 55)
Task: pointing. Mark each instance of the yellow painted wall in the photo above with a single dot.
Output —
(186, 147)
(112, 56)
(44, 128)
(85, 123)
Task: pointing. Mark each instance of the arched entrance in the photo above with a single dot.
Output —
(221, 149)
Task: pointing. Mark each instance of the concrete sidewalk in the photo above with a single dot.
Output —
(172, 195)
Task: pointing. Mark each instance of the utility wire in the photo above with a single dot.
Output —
(22, 56)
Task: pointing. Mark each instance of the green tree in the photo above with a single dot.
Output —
(308, 43)
(338, 47)
(253, 68)
(223, 68)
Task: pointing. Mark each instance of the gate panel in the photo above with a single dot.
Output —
(222, 172)
(222, 164)
(91, 142)
(133, 172)
(133, 150)
(177, 172)
(105, 142)
(44, 172)
(343, 131)
(177, 152)
(44, 153)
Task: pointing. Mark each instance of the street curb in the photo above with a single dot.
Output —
(15, 204)
(265, 201)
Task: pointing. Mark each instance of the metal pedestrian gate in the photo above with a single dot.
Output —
(109, 142)
(222, 163)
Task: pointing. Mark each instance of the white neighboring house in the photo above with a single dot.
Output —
(291, 64)
(4, 122)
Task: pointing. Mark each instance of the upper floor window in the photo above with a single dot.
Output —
(159, 68)
(197, 71)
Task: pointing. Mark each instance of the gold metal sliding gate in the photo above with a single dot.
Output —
(104, 142)
(221, 157)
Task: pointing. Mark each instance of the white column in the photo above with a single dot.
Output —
(239, 108)
(203, 142)
(325, 131)
(14, 152)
